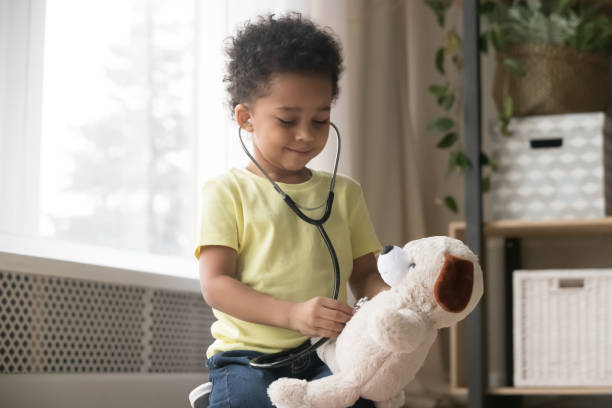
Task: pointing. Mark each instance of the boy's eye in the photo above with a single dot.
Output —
(289, 123)
(286, 123)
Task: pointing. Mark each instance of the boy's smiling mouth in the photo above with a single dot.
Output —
(299, 151)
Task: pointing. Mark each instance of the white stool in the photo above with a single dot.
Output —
(198, 398)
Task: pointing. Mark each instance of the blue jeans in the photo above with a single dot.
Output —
(238, 385)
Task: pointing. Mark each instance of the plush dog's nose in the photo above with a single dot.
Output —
(386, 249)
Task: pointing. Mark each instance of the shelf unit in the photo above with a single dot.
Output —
(473, 232)
(513, 232)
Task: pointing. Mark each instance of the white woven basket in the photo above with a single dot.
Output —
(563, 327)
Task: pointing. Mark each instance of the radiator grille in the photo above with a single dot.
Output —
(65, 325)
(175, 342)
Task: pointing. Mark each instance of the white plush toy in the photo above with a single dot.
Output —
(435, 282)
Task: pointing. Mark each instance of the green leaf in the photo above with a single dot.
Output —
(447, 101)
(486, 7)
(534, 5)
(515, 67)
(483, 43)
(561, 6)
(485, 184)
(451, 204)
(448, 140)
(496, 39)
(508, 108)
(452, 44)
(505, 122)
(439, 90)
(440, 60)
(439, 8)
(484, 159)
(446, 97)
(441, 124)
(458, 160)
(463, 161)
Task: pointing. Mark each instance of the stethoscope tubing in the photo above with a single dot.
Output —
(285, 358)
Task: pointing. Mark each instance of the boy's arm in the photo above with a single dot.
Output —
(365, 279)
(317, 317)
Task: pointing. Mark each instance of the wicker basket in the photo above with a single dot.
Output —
(558, 80)
(563, 327)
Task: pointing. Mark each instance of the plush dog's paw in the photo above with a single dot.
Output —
(288, 393)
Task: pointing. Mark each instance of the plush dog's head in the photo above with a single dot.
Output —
(439, 276)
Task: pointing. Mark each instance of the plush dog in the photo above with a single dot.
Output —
(435, 282)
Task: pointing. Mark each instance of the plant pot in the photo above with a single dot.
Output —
(558, 80)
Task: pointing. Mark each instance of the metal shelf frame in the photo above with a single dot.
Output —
(473, 195)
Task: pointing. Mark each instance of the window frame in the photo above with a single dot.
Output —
(21, 113)
(51, 256)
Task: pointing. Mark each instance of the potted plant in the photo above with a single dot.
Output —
(552, 57)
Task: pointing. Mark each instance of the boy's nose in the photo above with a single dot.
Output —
(305, 134)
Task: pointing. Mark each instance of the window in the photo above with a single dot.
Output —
(117, 124)
(111, 115)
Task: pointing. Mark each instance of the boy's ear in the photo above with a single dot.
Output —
(243, 117)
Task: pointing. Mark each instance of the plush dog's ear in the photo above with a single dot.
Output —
(453, 288)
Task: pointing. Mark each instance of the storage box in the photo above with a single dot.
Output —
(563, 327)
(553, 167)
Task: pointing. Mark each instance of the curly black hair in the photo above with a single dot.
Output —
(290, 43)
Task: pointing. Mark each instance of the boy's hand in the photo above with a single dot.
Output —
(320, 317)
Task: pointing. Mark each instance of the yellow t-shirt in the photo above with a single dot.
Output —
(278, 253)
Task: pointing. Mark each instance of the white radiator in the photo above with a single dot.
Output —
(68, 342)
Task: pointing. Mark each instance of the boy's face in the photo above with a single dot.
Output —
(291, 122)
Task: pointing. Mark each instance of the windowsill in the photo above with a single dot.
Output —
(52, 257)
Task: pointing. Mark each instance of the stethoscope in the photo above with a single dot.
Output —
(284, 358)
